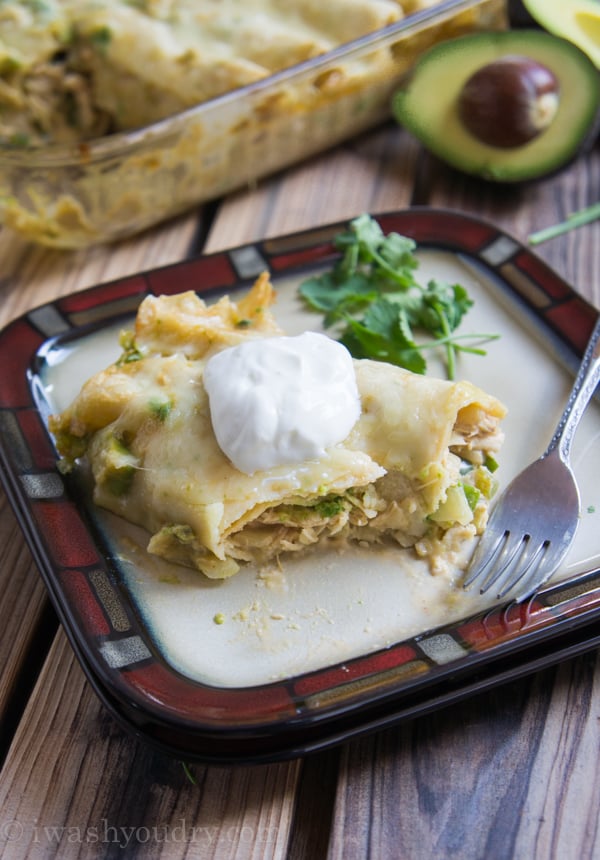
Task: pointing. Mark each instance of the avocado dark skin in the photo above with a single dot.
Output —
(506, 106)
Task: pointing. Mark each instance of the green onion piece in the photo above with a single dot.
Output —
(188, 773)
(575, 219)
(490, 463)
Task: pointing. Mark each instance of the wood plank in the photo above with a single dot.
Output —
(373, 173)
(32, 274)
(513, 773)
(315, 798)
(27, 623)
(76, 785)
(522, 210)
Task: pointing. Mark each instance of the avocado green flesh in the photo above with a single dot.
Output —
(428, 104)
(576, 20)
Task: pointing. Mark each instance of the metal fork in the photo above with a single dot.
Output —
(534, 522)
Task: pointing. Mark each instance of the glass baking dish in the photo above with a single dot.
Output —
(114, 186)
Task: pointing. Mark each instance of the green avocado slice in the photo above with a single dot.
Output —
(575, 20)
(428, 104)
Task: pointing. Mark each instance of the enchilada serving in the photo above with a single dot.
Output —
(414, 468)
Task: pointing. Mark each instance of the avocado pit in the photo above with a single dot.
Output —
(509, 102)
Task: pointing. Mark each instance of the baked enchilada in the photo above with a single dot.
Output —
(74, 70)
(395, 458)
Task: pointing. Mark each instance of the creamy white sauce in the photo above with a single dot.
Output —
(281, 400)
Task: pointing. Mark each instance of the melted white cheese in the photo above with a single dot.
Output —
(281, 400)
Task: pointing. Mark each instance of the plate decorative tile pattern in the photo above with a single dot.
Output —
(307, 712)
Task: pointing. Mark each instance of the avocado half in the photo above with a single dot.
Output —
(428, 104)
(575, 20)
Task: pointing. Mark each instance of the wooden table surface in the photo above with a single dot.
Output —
(510, 773)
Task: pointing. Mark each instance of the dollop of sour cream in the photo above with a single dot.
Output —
(281, 400)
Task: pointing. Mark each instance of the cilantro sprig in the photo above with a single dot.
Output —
(372, 296)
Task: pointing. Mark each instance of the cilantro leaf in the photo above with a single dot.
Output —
(375, 276)
(385, 335)
(323, 294)
(367, 248)
(441, 299)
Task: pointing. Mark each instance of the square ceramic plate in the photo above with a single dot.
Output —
(335, 644)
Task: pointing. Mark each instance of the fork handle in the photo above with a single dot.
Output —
(583, 389)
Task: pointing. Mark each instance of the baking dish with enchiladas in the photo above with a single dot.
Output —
(116, 115)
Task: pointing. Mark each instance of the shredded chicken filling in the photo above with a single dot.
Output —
(386, 508)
